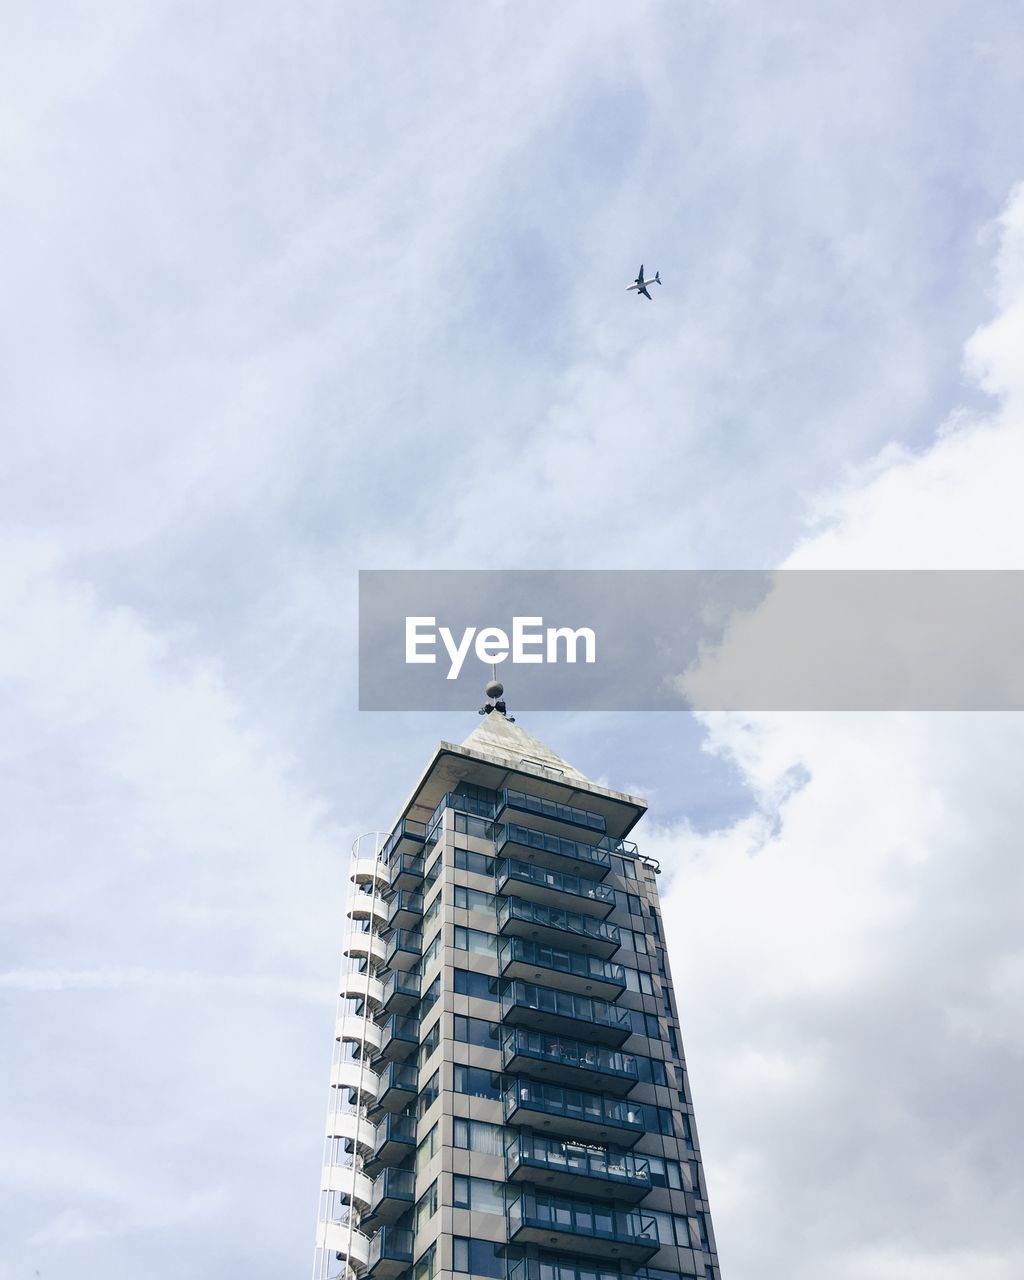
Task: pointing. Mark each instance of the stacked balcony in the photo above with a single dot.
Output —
(393, 1194)
(575, 1113)
(551, 926)
(390, 1253)
(545, 849)
(407, 838)
(405, 910)
(556, 889)
(403, 948)
(558, 1164)
(524, 1004)
(581, 1226)
(559, 967)
(560, 1060)
(394, 1139)
(399, 1039)
(407, 872)
(400, 993)
(397, 1086)
(549, 815)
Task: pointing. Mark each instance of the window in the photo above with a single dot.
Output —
(473, 899)
(426, 1207)
(474, 940)
(673, 1040)
(702, 1228)
(429, 1043)
(477, 1031)
(427, 1149)
(430, 952)
(478, 1135)
(478, 1257)
(433, 911)
(633, 903)
(426, 1265)
(637, 980)
(665, 1173)
(694, 1178)
(467, 860)
(434, 871)
(467, 826)
(655, 926)
(687, 1130)
(477, 1082)
(480, 1194)
(429, 996)
(427, 1096)
(473, 983)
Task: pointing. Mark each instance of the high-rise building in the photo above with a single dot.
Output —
(509, 1094)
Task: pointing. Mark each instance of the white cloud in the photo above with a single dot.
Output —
(851, 953)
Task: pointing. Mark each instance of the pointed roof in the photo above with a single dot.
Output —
(499, 754)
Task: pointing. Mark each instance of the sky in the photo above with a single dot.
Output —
(294, 291)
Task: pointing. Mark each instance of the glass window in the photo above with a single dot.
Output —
(474, 940)
(480, 1194)
(478, 1257)
(432, 911)
(426, 1207)
(478, 1135)
(427, 1149)
(427, 1096)
(477, 1082)
(473, 983)
(473, 899)
(426, 1265)
(467, 860)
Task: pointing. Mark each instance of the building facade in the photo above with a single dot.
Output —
(509, 1097)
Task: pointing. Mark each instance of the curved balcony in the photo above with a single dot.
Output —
(401, 992)
(393, 1193)
(349, 1183)
(593, 1117)
(551, 926)
(405, 910)
(346, 1243)
(370, 871)
(362, 986)
(356, 1077)
(524, 1004)
(365, 946)
(404, 948)
(546, 849)
(352, 1029)
(557, 1165)
(399, 1084)
(558, 967)
(569, 1062)
(395, 1138)
(368, 906)
(555, 888)
(581, 1226)
(390, 1253)
(399, 1038)
(354, 1128)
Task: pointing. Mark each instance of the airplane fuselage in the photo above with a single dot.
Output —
(641, 284)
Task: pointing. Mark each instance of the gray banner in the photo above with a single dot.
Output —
(742, 640)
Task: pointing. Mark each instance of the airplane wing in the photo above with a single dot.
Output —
(640, 276)
(643, 290)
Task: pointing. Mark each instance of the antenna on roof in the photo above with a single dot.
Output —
(493, 690)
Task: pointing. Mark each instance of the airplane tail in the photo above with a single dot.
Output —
(657, 277)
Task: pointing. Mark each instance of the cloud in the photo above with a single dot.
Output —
(850, 952)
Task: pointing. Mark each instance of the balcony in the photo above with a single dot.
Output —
(550, 926)
(524, 1004)
(545, 849)
(554, 1164)
(399, 1039)
(555, 889)
(581, 1226)
(401, 992)
(406, 838)
(593, 1117)
(393, 1193)
(390, 1253)
(549, 815)
(398, 1084)
(407, 872)
(568, 1062)
(568, 970)
(403, 949)
(394, 1140)
(405, 911)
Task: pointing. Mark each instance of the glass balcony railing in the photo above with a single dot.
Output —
(390, 1252)
(525, 802)
(407, 871)
(393, 1192)
(547, 1009)
(548, 924)
(406, 837)
(405, 909)
(588, 1226)
(400, 1038)
(578, 971)
(572, 1166)
(579, 1114)
(399, 1083)
(555, 888)
(550, 850)
(403, 948)
(401, 992)
(568, 1061)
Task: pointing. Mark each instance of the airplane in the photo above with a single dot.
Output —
(640, 284)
